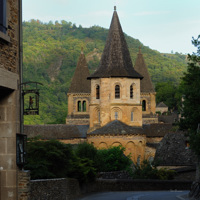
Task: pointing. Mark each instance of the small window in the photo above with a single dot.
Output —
(116, 115)
(84, 106)
(131, 91)
(79, 106)
(3, 24)
(97, 92)
(143, 105)
(117, 92)
(132, 116)
(99, 116)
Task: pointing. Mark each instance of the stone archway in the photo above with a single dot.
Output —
(102, 145)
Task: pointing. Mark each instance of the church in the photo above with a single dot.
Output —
(117, 100)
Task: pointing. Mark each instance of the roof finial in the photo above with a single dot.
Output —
(81, 50)
(115, 8)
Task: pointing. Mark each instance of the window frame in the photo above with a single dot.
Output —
(144, 105)
(132, 116)
(84, 104)
(4, 21)
(131, 92)
(97, 92)
(117, 91)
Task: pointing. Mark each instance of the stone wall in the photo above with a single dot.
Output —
(9, 42)
(9, 101)
(103, 110)
(56, 189)
(23, 185)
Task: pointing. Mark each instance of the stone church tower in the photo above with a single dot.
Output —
(115, 85)
(148, 94)
(79, 94)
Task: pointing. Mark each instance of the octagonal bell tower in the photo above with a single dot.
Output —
(115, 85)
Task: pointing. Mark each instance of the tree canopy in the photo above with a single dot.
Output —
(190, 85)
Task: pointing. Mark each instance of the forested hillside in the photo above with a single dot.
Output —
(51, 52)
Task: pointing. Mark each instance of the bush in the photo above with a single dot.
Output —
(147, 171)
(86, 150)
(53, 159)
(112, 159)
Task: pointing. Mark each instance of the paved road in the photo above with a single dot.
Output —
(151, 195)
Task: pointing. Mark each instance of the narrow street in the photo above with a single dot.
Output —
(150, 195)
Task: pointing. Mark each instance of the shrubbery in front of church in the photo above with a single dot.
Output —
(148, 171)
(53, 159)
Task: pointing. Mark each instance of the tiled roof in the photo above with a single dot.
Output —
(115, 60)
(140, 67)
(80, 83)
(56, 131)
(161, 105)
(117, 128)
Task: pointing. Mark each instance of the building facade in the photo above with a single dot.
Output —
(10, 20)
(79, 94)
(148, 94)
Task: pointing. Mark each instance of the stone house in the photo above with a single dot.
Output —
(10, 62)
(161, 107)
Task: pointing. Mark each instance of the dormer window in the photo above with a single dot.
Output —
(3, 20)
(117, 92)
(97, 92)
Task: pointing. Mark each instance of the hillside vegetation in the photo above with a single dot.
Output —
(51, 53)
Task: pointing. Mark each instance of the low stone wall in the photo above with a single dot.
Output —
(56, 189)
(102, 185)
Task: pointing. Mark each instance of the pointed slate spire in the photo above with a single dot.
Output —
(116, 59)
(79, 83)
(140, 66)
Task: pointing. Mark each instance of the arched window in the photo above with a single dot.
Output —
(132, 116)
(99, 116)
(79, 106)
(97, 92)
(143, 105)
(84, 106)
(117, 92)
(131, 91)
(116, 115)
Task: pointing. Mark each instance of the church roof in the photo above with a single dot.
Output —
(80, 83)
(116, 59)
(140, 66)
(56, 131)
(117, 128)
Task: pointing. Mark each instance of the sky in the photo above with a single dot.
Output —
(163, 25)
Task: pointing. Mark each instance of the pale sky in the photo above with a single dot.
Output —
(163, 25)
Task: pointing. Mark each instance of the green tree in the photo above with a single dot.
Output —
(190, 120)
(53, 159)
(112, 159)
(168, 93)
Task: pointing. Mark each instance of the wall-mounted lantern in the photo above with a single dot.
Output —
(30, 94)
(21, 141)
